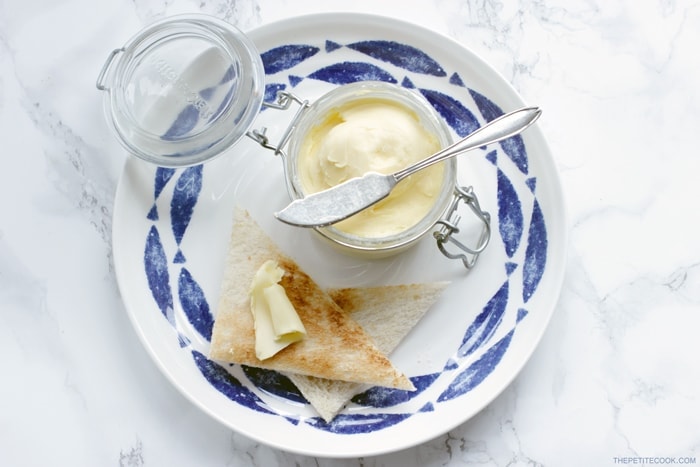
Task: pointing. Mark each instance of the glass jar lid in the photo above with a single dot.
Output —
(182, 90)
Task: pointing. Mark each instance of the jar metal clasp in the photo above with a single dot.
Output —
(449, 227)
(283, 102)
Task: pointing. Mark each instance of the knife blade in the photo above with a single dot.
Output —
(338, 203)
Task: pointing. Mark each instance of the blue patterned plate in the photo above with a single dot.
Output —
(171, 228)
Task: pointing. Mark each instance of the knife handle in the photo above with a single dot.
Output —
(496, 130)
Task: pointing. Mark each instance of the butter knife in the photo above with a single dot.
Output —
(352, 196)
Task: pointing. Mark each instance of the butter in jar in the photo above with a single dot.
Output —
(373, 135)
(381, 127)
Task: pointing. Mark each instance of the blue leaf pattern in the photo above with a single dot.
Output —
(531, 183)
(407, 83)
(286, 57)
(510, 215)
(522, 313)
(194, 304)
(345, 424)
(228, 385)
(401, 55)
(456, 80)
(492, 157)
(380, 397)
(156, 265)
(185, 197)
(274, 383)
(473, 375)
(486, 323)
(331, 46)
(514, 147)
(535, 253)
(461, 119)
(163, 175)
(351, 72)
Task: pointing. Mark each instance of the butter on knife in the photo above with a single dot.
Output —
(277, 323)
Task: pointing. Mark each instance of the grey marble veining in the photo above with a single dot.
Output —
(615, 376)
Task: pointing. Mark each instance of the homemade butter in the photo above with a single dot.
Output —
(380, 135)
(277, 323)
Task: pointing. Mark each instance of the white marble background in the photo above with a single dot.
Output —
(617, 373)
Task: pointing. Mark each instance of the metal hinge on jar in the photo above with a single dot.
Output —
(449, 227)
(283, 102)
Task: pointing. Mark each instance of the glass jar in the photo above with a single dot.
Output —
(444, 215)
(182, 90)
(414, 104)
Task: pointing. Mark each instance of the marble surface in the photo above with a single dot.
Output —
(616, 378)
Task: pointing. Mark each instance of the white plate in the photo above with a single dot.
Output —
(171, 229)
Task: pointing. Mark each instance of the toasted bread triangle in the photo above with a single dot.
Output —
(387, 314)
(335, 348)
